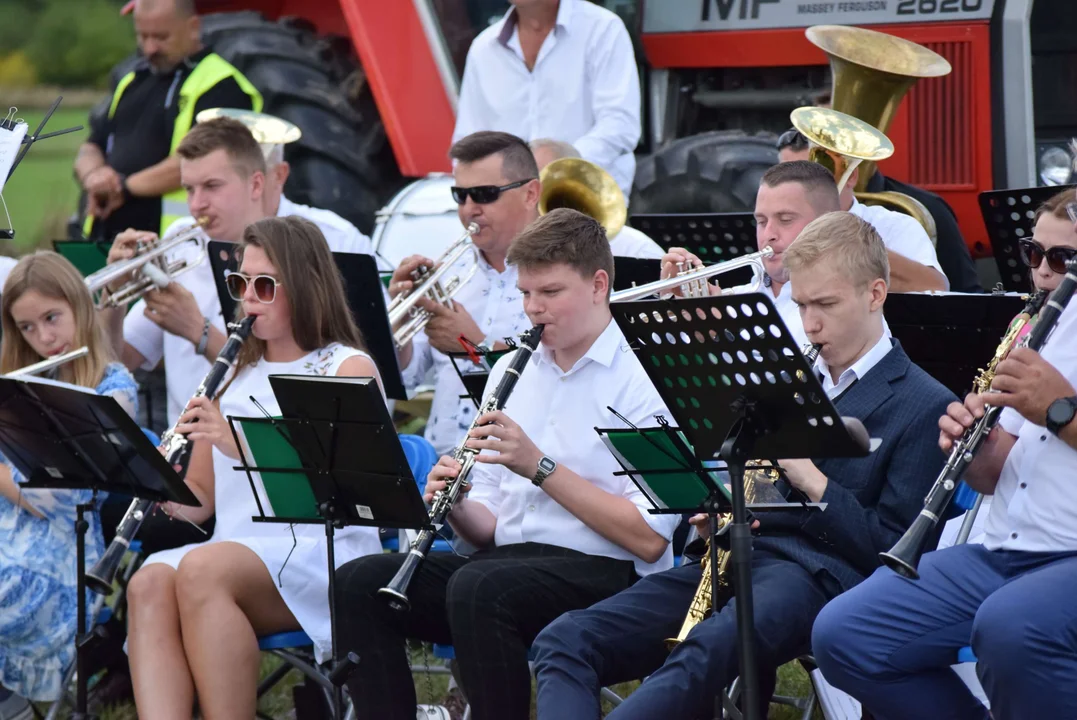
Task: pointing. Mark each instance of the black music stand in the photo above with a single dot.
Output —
(712, 237)
(630, 272)
(951, 335)
(339, 441)
(366, 299)
(739, 388)
(1008, 217)
(60, 436)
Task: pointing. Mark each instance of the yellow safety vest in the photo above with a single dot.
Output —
(212, 70)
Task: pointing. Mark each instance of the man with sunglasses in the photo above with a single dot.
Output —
(497, 188)
(914, 266)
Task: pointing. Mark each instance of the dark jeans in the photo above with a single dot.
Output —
(489, 606)
(622, 639)
(890, 641)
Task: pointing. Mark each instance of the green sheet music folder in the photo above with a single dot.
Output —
(288, 492)
(660, 462)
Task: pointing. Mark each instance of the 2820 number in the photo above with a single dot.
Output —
(930, 7)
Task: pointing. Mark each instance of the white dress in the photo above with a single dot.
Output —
(298, 567)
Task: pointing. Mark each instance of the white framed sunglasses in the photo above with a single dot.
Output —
(265, 286)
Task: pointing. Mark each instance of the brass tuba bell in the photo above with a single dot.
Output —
(871, 74)
(840, 142)
(582, 185)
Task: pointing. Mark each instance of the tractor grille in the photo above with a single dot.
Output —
(941, 127)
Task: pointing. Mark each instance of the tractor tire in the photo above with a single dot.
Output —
(343, 162)
(711, 172)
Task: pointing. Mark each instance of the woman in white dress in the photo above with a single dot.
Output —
(196, 611)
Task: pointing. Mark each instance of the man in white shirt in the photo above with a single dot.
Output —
(889, 642)
(557, 527)
(496, 188)
(790, 196)
(629, 242)
(914, 264)
(557, 68)
(224, 171)
(800, 559)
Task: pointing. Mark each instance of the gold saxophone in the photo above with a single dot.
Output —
(982, 383)
(759, 480)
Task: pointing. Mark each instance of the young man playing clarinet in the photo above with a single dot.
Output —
(838, 273)
(556, 528)
(890, 642)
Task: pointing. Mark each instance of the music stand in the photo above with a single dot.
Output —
(739, 388)
(1008, 217)
(630, 272)
(340, 442)
(712, 237)
(62, 436)
(951, 335)
(366, 300)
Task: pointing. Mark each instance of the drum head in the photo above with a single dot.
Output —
(420, 220)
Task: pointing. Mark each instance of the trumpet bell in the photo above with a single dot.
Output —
(581, 185)
(840, 142)
(871, 74)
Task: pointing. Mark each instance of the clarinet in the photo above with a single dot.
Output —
(904, 557)
(177, 451)
(396, 592)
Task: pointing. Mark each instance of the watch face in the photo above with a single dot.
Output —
(547, 465)
(1061, 411)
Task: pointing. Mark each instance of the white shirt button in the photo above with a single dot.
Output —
(531, 508)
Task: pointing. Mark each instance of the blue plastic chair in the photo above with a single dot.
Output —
(967, 500)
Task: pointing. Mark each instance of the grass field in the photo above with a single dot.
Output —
(43, 192)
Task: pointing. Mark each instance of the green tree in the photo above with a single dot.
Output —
(76, 44)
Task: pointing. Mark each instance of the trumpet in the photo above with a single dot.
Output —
(693, 282)
(49, 363)
(427, 283)
(904, 557)
(148, 269)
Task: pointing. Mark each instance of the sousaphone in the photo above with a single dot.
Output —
(581, 185)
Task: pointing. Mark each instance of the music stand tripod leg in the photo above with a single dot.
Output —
(740, 557)
(81, 634)
(340, 669)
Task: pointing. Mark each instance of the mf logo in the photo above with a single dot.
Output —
(746, 8)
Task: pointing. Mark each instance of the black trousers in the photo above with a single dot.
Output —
(489, 606)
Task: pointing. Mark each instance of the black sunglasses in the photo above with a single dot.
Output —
(484, 194)
(265, 286)
(1032, 254)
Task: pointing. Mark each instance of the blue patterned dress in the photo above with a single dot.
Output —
(37, 573)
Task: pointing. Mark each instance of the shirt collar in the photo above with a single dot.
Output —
(508, 22)
(861, 367)
(186, 65)
(602, 351)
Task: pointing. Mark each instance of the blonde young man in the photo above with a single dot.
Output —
(838, 273)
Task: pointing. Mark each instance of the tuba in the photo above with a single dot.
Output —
(871, 74)
(759, 480)
(582, 185)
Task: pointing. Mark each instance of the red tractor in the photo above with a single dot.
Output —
(373, 85)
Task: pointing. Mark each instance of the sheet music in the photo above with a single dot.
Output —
(10, 141)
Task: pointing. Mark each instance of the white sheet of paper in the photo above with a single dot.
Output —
(10, 140)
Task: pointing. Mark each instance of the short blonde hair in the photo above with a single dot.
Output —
(845, 241)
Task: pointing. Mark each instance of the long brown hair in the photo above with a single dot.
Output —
(319, 307)
(54, 276)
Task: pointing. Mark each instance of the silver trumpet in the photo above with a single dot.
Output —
(693, 281)
(149, 269)
(49, 363)
(405, 317)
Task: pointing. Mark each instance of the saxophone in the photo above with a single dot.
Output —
(757, 479)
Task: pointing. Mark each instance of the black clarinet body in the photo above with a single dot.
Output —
(396, 592)
(177, 451)
(905, 556)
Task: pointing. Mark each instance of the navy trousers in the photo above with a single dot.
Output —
(889, 641)
(623, 638)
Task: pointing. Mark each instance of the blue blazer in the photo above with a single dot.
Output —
(871, 501)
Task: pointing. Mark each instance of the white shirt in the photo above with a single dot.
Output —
(1034, 506)
(559, 411)
(6, 264)
(854, 372)
(495, 304)
(340, 234)
(584, 88)
(184, 368)
(900, 233)
(632, 243)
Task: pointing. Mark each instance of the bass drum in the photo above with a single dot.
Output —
(420, 220)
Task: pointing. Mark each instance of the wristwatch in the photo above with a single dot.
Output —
(546, 466)
(1060, 413)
